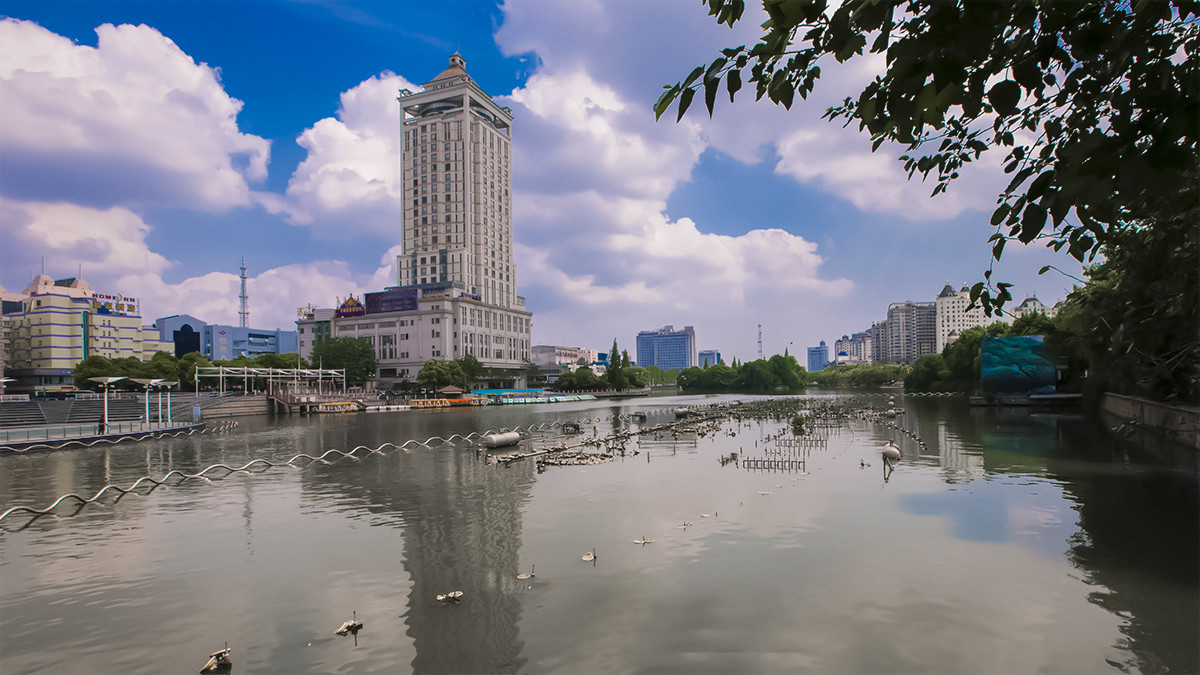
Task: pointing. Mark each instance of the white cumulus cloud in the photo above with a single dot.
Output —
(132, 121)
(351, 173)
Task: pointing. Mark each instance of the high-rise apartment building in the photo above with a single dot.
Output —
(908, 333)
(854, 348)
(953, 317)
(667, 348)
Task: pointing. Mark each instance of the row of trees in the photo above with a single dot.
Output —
(780, 373)
(620, 375)
(859, 375)
(461, 373)
(1134, 326)
(355, 355)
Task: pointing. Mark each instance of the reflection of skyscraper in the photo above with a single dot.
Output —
(461, 523)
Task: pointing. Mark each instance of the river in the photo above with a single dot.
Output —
(1013, 541)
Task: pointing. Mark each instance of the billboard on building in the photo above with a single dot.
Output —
(1015, 365)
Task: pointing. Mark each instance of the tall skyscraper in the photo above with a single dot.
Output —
(667, 348)
(456, 282)
(457, 188)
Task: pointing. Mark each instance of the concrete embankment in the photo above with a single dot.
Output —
(1178, 423)
(239, 406)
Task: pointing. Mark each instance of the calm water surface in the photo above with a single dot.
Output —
(1016, 542)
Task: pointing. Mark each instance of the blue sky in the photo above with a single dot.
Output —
(153, 144)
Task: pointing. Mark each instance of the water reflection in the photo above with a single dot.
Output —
(1035, 539)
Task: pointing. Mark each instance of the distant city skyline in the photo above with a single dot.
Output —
(149, 147)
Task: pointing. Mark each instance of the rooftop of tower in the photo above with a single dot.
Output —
(457, 68)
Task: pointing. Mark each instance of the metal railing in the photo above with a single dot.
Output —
(65, 431)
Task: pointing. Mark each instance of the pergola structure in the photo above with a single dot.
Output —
(294, 380)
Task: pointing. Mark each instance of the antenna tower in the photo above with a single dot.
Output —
(244, 312)
(760, 342)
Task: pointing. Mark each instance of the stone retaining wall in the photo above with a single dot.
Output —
(1176, 422)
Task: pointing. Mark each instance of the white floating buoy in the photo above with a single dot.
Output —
(527, 575)
(452, 596)
(643, 541)
(891, 452)
(589, 556)
(501, 440)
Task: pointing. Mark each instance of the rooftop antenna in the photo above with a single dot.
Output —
(760, 342)
(244, 312)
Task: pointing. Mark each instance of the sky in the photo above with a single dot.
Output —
(151, 145)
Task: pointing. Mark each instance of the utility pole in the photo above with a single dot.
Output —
(244, 312)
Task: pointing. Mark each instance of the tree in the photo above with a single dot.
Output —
(94, 366)
(186, 368)
(927, 374)
(615, 375)
(472, 369)
(1095, 102)
(1134, 324)
(962, 359)
(356, 355)
(437, 374)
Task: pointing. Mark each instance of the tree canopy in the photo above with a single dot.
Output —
(779, 373)
(1095, 102)
(355, 355)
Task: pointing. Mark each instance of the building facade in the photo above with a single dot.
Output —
(58, 323)
(818, 357)
(220, 342)
(908, 333)
(708, 357)
(554, 356)
(1032, 305)
(953, 316)
(667, 348)
(456, 281)
(852, 349)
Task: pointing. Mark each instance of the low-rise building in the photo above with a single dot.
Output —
(708, 357)
(55, 324)
(409, 325)
(220, 342)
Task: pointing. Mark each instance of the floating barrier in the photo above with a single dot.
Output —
(501, 440)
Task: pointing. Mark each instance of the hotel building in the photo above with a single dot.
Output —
(456, 281)
(53, 325)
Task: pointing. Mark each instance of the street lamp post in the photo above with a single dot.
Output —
(168, 386)
(106, 384)
(147, 383)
